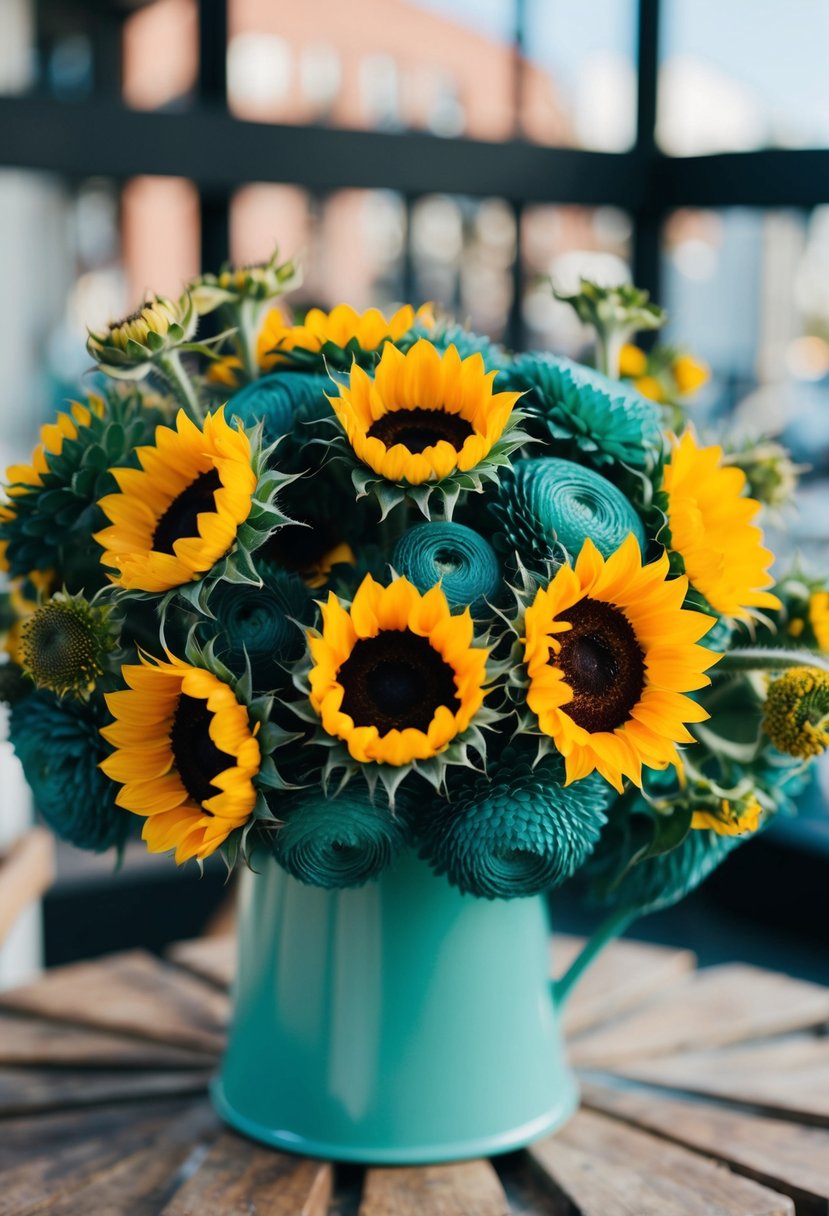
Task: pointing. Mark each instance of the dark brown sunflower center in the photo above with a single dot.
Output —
(297, 548)
(418, 429)
(603, 663)
(181, 517)
(396, 680)
(197, 758)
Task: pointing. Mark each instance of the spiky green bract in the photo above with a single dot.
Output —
(518, 833)
(60, 747)
(585, 415)
(49, 526)
(262, 626)
(443, 334)
(459, 559)
(548, 505)
(434, 499)
(266, 517)
(293, 408)
(343, 841)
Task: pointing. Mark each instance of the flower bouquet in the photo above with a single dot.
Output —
(415, 631)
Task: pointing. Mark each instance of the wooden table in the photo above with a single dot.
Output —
(706, 1093)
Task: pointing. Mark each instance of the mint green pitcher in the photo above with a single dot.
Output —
(396, 1023)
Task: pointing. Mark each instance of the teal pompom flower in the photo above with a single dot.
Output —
(541, 503)
(60, 747)
(339, 842)
(585, 414)
(519, 834)
(461, 560)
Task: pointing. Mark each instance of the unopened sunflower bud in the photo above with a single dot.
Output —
(127, 349)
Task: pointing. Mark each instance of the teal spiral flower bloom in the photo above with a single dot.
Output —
(518, 834)
(290, 404)
(263, 622)
(544, 501)
(59, 746)
(602, 420)
(459, 559)
(443, 334)
(338, 842)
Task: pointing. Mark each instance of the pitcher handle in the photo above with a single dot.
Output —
(611, 928)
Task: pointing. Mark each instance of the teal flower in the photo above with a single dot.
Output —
(294, 409)
(444, 334)
(263, 624)
(584, 414)
(343, 841)
(518, 834)
(459, 559)
(60, 747)
(544, 502)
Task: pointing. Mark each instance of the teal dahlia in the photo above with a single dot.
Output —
(342, 841)
(459, 559)
(292, 407)
(518, 834)
(543, 502)
(261, 624)
(584, 413)
(60, 747)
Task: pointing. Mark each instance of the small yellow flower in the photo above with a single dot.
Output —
(690, 374)
(650, 387)
(396, 676)
(185, 755)
(796, 716)
(729, 820)
(819, 618)
(633, 362)
(609, 651)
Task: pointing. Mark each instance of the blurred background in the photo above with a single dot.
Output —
(459, 151)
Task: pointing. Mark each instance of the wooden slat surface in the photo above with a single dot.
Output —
(789, 1076)
(107, 1060)
(238, 1178)
(607, 1169)
(132, 993)
(620, 979)
(783, 1155)
(470, 1188)
(732, 1003)
(31, 1040)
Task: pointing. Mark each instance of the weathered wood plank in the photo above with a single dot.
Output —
(132, 993)
(607, 1169)
(212, 958)
(49, 1160)
(238, 1177)
(788, 1076)
(714, 1007)
(29, 1091)
(783, 1155)
(30, 1040)
(622, 977)
(470, 1188)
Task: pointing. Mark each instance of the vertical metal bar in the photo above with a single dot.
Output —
(514, 335)
(647, 219)
(212, 93)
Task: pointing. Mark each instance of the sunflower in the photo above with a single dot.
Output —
(426, 419)
(345, 328)
(609, 650)
(711, 529)
(185, 755)
(396, 677)
(178, 515)
(730, 819)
